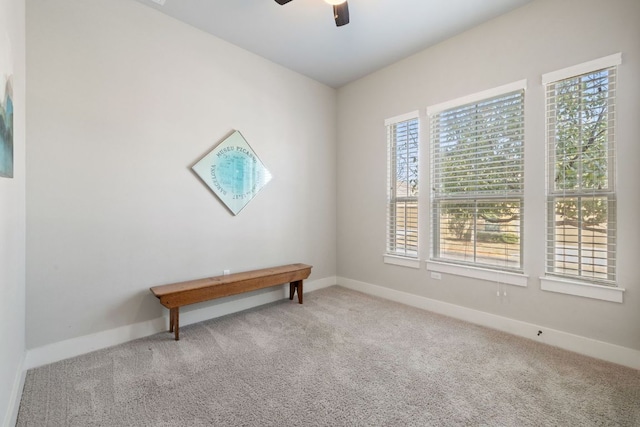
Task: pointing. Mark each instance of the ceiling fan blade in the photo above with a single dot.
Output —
(341, 14)
(281, 2)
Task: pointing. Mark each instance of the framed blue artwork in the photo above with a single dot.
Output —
(233, 171)
(6, 131)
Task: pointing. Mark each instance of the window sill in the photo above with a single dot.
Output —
(504, 277)
(402, 261)
(581, 289)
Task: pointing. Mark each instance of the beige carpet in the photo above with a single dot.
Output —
(341, 359)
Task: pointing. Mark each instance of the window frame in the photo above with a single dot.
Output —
(580, 284)
(513, 276)
(391, 256)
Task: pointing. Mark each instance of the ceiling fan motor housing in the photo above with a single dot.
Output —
(340, 12)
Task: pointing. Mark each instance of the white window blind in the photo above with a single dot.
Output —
(581, 197)
(402, 179)
(477, 168)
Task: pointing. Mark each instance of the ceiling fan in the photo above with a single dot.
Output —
(340, 10)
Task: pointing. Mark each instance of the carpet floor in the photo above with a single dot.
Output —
(342, 359)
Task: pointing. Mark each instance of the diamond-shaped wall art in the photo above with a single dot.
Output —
(233, 171)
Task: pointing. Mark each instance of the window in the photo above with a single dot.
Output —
(402, 178)
(477, 172)
(581, 198)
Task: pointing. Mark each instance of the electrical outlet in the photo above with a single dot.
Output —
(226, 272)
(435, 275)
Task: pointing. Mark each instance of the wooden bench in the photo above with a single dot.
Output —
(175, 295)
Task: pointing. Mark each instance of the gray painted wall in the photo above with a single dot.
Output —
(122, 100)
(12, 214)
(541, 37)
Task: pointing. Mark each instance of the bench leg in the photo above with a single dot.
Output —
(174, 321)
(177, 323)
(293, 286)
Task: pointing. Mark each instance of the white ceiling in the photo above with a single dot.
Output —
(303, 37)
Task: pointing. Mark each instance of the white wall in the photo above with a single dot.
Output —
(12, 216)
(544, 36)
(122, 100)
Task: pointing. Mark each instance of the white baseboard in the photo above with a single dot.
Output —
(567, 341)
(315, 285)
(61, 350)
(81, 345)
(16, 394)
